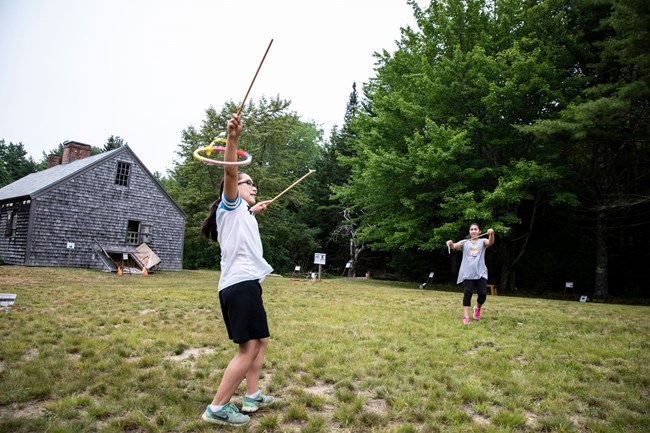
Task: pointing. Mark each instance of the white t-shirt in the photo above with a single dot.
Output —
(241, 247)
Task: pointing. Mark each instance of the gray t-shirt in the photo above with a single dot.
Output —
(473, 265)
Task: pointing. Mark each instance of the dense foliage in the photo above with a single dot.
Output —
(284, 149)
(518, 115)
(530, 117)
(14, 162)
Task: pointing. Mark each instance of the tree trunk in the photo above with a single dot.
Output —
(507, 269)
(355, 250)
(510, 257)
(601, 289)
(352, 270)
(507, 281)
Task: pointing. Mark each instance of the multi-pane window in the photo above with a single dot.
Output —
(122, 175)
(133, 233)
(138, 232)
(12, 222)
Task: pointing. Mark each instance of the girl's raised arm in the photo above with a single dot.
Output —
(230, 179)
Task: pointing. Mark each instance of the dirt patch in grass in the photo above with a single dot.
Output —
(531, 419)
(32, 410)
(477, 347)
(476, 417)
(377, 405)
(320, 389)
(31, 354)
(191, 354)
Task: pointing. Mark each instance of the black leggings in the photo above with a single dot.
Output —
(481, 289)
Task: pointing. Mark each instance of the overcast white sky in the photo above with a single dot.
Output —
(144, 70)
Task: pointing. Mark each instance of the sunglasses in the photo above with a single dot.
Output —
(247, 182)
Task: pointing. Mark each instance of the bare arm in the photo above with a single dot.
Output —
(260, 207)
(490, 240)
(230, 181)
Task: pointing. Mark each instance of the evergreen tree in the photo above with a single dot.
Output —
(283, 149)
(604, 130)
(328, 214)
(14, 162)
(42, 164)
(436, 144)
(114, 142)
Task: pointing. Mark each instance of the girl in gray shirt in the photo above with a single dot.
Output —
(473, 273)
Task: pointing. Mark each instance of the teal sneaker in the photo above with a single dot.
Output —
(253, 404)
(227, 415)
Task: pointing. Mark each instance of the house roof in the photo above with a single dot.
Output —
(35, 184)
(32, 184)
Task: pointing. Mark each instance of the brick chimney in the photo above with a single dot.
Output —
(53, 160)
(73, 151)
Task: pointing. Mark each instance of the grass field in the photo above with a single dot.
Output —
(86, 351)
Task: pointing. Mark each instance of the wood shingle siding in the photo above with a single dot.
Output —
(59, 222)
(14, 245)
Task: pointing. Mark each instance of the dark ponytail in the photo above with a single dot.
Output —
(209, 225)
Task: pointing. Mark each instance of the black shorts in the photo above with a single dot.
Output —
(243, 311)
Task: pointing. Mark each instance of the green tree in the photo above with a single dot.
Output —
(437, 143)
(604, 130)
(15, 163)
(114, 142)
(42, 164)
(283, 149)
(328, 215)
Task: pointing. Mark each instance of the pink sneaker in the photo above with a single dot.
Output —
(466, 320)
(477, 313)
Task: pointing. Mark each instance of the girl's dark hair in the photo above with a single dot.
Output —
(209, 225)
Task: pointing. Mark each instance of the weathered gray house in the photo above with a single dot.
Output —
(88, 211)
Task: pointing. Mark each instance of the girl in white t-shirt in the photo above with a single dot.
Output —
(232, 223)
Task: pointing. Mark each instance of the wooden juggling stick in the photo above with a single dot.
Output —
(251, 86)
(465, 240)
(289, 187)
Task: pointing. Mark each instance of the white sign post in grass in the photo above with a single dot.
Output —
(319, 259)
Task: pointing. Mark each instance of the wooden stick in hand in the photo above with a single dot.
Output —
(251, 86)
(289, 187)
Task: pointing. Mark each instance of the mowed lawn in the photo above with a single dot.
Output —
(87, 351)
